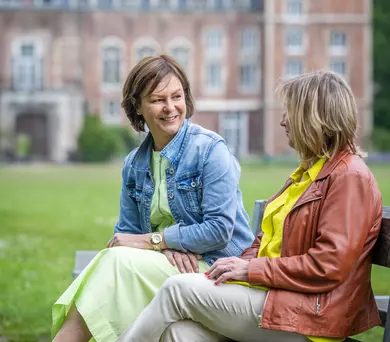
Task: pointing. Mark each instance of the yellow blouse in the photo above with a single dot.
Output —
(274, 216)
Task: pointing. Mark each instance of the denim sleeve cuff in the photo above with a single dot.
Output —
(172, 238)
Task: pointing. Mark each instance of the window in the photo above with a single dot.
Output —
(219, 4)
(111, 65)
(145, 51)
(199, 4)
(294, 41)
(213, 76)
(294, 67)
(164, 4)
(339, 67)
(131, 3)
(294, 7)
(338, 43)
(47, 3)
(241, 4)
(249, 40)
(27, 73)
(234, 129)
(112, 112)
(181, 55)
(248, 77)
(213, 40)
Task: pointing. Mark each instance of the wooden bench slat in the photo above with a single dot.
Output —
(381, 254)
(83, 258)
(382, 302)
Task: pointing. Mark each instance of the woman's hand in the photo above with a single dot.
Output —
(185, 262)
(232, 268)
(128, 240)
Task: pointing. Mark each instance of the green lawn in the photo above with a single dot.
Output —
(49, 212)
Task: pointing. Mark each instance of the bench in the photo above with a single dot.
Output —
(381, 257)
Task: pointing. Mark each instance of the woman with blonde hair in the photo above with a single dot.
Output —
(306, 277)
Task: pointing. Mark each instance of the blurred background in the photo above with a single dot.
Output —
(63, 133)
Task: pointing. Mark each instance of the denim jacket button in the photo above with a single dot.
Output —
(171, 171)
(171, 196)
(193, 184)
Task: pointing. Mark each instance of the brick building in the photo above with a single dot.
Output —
(62, 58)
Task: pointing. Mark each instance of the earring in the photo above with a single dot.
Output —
(138, 113)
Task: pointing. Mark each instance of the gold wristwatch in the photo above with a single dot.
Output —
(156, 240)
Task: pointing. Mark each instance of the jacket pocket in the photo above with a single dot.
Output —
(190, 189)
(134, 192)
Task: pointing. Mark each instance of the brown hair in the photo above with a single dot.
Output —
(147, 74)
(322, 113)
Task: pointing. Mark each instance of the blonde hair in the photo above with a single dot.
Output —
(322, 113)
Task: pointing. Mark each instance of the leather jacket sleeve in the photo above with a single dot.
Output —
(349, 219)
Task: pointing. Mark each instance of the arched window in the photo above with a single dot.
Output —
(144, 47)
(145, 51)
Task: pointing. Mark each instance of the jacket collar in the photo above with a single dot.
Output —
(313, 192)
(331, 164)
(172, 152)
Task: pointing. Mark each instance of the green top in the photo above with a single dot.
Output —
(160, 213)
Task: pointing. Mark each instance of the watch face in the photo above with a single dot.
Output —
(156, 238)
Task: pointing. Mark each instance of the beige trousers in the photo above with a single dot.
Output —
(189, 307)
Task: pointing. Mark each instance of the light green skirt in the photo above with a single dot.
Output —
(113, 289)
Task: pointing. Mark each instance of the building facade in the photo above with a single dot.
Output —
(60, 59)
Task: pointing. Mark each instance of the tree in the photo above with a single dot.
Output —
(381, 46)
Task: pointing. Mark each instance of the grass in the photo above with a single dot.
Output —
(49, 212)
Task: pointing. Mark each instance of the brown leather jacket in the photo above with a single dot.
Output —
(320, 285)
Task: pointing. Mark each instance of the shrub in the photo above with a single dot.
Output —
(95, 142)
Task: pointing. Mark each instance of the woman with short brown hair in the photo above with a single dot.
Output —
(180, 209)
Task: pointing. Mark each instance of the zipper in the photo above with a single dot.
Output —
(261, 315)
(318, 305)
(288, 214)
(159, 186)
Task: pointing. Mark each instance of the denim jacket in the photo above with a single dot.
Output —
(203, 195)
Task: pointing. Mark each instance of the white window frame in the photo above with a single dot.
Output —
(33, 79)
(134, 4)
(249, 55)
(200, 5)
(213, 88)
(252, 88)
(237, 121)
(291, 49)
(214, 54)
(116, 43)
(42, 4)
(287, 70)
(256, 41)
(171, 4)
(336, 49)
(144, 42)
(212, 35)
(289, 3)
(241, 4)
(334, 61)
(185, 44)
(109, 117)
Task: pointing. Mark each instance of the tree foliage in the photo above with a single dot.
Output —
(381, 46)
